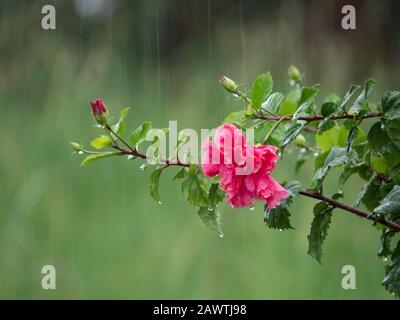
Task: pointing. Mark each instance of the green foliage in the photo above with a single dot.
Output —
(139, 135)
(362, 100)
(334, 137)
(210, 215)
(193, 190)
(153, 184)
(93, 157)
(391, 105)
(304, 106)
(211, 219)
(319, 229)
(336, 157)
(292, 132)
(352, 90)
(262, 87)
(238, 118)
(101, 142)
(392, 273)
(120, 127)
(278, 217)
(369, 194)
(390, 205)
(273, 102)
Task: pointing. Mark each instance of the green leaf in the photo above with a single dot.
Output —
(390, 205)
(391, 105)
(380, 142)
(392, 273)
(237, 117)
(101, 142)
(319, 229)
(353, 89)
(393, 131)
(153, 184)
(180, 174)
(119, 127)
(278, 217)
(379, 164)
(362, 100)
(320, 160)
(328, 139)
(211, 219)
(289, 105)
(262, 130)
(292, 132)
(369, 194)
(273, 102)
(215, 195)
(345, 175)
(194, 192)
(377, 138)
(325, 125)
(304, 106)
(262, 87)
(350, 138)
(385, 249)
(329, 108)
(93, 157)
(336, 157)
(139, 135)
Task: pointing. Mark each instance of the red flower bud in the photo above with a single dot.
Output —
(99, 111)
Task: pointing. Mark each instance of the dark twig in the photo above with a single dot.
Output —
(364, 214)
(320, 117)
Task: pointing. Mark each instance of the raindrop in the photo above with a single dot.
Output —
(385, 259)
(236, 95)
(159, 202)
(99, 126)
(316, 154)
(221, 235)
(252, 208)
(130, 157)
(281, 230)
(80, 152)
(143, 166)
(210, 209)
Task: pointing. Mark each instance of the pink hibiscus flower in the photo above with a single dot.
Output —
(244, 170)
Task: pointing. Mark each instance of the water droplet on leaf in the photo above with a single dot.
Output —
(80, 152)
(130, 157)
(252, 208)
(210, 209)
(159, 202)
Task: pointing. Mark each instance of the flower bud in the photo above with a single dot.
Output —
(294, 74)
(76, 146)
(300, 141)
(228, 84)
(99, 110)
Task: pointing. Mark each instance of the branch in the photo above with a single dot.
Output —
(364, 214)
(320, 117)
(134, 152)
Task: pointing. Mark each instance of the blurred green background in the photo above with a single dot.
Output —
(98, 226)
